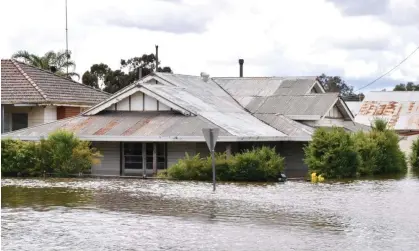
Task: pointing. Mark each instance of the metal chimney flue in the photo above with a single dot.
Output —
(157, 58)
(241, 62)
(53, 69)
(139, 73)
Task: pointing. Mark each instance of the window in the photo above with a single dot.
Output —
(19, 121)
(161, 155)
(133, 155)
(133, 158)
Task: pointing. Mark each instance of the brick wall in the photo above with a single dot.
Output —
(67, 111)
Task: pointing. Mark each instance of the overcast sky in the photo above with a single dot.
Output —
(356, 39)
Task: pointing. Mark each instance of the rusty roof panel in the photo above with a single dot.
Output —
(399, 109)
(112, 123)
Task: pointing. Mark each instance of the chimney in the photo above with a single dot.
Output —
(53, 69)
(139, 73)
(157, 58)
(205, 76)
(241, 61)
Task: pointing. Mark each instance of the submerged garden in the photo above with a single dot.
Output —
(333, 153)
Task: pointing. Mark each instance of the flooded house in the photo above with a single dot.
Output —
(399, 108)
(152, 123)
(31, 96)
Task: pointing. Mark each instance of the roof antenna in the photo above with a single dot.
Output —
(66, 37)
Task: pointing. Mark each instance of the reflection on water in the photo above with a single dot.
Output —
(94, 214)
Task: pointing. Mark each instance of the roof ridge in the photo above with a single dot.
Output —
(30, 80)
(268, 77)
(68, 79)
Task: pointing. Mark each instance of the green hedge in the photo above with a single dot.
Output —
(61, 154)
(414, 156)
(259, 164)
(336, 153)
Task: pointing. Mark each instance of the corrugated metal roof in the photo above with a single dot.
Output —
(110, 123)
(400, 109)
(245, 89)
(210, 101)
(397, 96)
(286, 125)
(316, 104)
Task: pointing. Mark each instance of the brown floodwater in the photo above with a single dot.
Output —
(127, 214)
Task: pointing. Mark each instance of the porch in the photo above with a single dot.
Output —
(147, 158)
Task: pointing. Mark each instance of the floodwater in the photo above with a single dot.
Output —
(123, 214)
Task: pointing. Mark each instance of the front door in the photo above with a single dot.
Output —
(138, 158)
(132, 159)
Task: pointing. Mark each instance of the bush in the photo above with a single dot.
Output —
(414, 155)
(62, 153)
(368, 150)
(18, 157)
(389, 158)
(332, 154)
(338, 154)
(188, 169)
(261, 164)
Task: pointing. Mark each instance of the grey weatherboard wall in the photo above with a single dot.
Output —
(110, 162)
(292, 151)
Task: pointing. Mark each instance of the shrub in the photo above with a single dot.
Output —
(414, 155)
(222, 166)
(261, 164)
(338, 154)
(188, 169)
(389, 158)
(332, 154)
(368, 152)
(67, 154)
(62, 153)
(18, 157)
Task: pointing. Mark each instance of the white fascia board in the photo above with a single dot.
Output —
(317, 85)
(347, 110)
(165, 101)
(303, 117)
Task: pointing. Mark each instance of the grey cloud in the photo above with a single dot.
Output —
(374, 44)
(396, 15)
(171, 16)
(171, 24)
(361, 8)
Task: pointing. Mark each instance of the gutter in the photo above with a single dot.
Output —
(171, 138)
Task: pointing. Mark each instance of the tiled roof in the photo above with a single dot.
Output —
(22, 83)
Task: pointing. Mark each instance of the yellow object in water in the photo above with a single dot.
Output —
(320, 178)
(313, 177)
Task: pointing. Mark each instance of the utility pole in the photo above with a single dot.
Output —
(66, 36)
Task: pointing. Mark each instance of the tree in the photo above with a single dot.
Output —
(410, 86)
(59, 60)
(115, 80)
(337, 84)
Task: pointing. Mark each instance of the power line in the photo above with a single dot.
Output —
(395, 67)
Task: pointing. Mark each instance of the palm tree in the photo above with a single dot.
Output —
(50, 59)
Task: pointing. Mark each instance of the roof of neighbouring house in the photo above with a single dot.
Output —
(22, 83)
(196, 103)
(400, 109)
